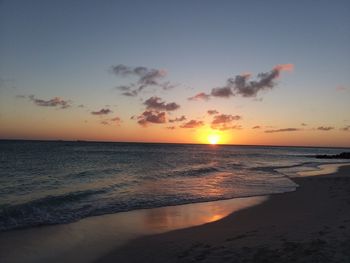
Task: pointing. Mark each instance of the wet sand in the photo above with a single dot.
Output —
(311, 224)
(92, 238)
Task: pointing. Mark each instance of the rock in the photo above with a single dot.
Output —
(343, 155)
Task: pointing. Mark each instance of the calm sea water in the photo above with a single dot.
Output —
(59, 182)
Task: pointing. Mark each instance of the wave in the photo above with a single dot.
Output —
(95, 172)
(47, 210)
(197, 171)
(123, 177)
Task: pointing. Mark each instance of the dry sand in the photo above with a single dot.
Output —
(311, 224)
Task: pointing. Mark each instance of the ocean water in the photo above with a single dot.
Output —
(59, 182)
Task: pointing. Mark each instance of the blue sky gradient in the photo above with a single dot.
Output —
(67, 48)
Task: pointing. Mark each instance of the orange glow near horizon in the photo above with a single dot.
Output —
(74, 127)
(209, 136)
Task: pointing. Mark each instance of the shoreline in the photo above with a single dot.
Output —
(98, 235)
(107, 238)
(323, 169)
(311, 224)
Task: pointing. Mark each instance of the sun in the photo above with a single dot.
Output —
(213, 138)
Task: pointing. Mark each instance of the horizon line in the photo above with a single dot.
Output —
(143, 142)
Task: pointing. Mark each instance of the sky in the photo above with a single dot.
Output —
(232, 72)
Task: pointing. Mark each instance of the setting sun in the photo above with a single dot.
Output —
(213, 138)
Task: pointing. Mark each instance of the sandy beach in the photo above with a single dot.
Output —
(311, 224)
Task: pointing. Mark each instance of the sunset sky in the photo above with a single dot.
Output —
(235, 72)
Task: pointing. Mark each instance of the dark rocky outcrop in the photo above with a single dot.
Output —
(343, 155)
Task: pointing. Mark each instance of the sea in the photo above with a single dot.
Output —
(56, 182)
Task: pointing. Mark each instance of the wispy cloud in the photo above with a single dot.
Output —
(104, 122)
(168, 85)
(325, 128)
(151, 117)
(54, 102)
(212, 112)
(346, 128)
(256, 127)
(303, 124)
(170, 127)
(200, 96)
(144, 77)
(225, 122)
(156, 103)
(192, 124)
(341, 88)
(131, 93)
(101, 112)
(115, 121)
(283, 130)
(178, 119)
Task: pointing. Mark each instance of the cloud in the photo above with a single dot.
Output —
(225, 122)
(151, 117)
(156, 103)
(192, 124)
(346, 128)
(171, 127)
(20, 96)
(303, 124)
(223, 92)
(167, 85)
(284, 67)
(265, 81)
(256, 127)
(54, 102)
(115, 120)
(325, 128)
(182, 118)
(283, 130)
(341, 88)
(101, 112)
(131, 93)
(241, 85)
(200, 96)
(123, 88)
(144, 77)
(151, 77)
(104, 122)
(128, 90)
(212, 112)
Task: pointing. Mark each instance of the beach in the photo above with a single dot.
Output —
(311, 224)
(174, 131)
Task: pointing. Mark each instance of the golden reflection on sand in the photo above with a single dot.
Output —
(175, 217)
